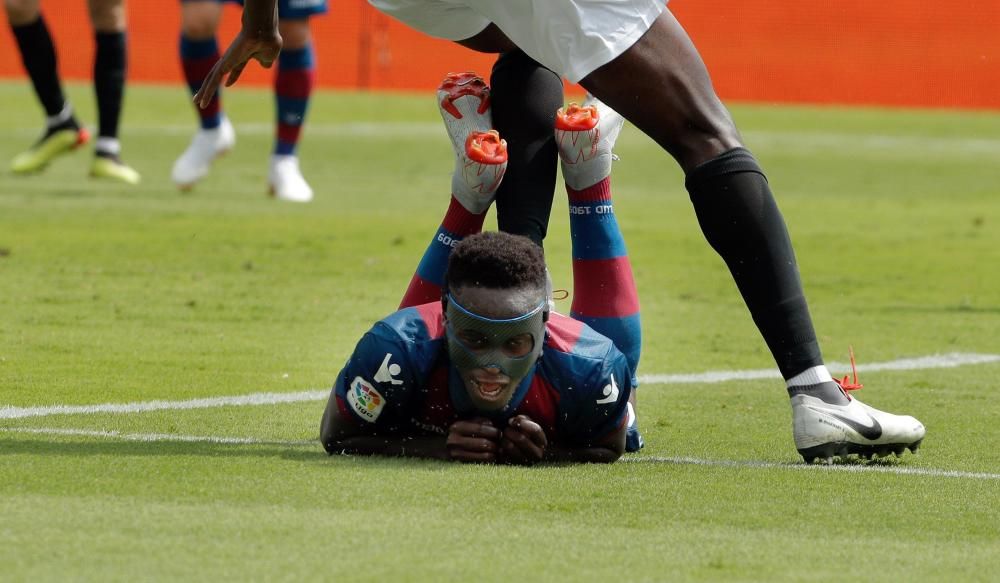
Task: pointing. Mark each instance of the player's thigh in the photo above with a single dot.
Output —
(107, 15)
(200, 18)
(20, 12)
(662, 86)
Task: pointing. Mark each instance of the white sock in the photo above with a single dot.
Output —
(106, 145)
(810, 376)
(61, 117)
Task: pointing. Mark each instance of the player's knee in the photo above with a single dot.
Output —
(198, 29)
(701, 144)
(295, 34)
(20, 12)
(199, 20)
(107, 15)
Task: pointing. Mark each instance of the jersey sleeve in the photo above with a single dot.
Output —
(600, 406)
(378, 381)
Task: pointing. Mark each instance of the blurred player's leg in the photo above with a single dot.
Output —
(604, 293)
(525, 97)
(110, 65)
(480, 162)
(199, 51)
(293, 84)
(62, 131)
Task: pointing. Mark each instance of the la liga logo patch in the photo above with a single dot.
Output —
(365, 400)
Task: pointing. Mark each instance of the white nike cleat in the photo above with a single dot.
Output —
(480, 155)
(286, 180)
(585, 136)
(824, 430)
(205, 147)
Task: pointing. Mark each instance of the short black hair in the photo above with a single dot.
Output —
(497, 260)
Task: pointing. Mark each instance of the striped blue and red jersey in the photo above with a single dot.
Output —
(399, 379)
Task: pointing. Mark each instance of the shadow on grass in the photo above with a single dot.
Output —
(304, 452)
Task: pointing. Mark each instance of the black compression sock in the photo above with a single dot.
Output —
(740, 219)
(109, 80)
(39, 57)
(525, 96)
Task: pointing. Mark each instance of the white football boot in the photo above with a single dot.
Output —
(480, 155)
(829, 423)
(585, 135)
(205, 147)
(286, 180)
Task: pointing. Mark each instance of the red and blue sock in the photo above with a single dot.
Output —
(293, 84)
(198, 56)
(604, 293)
(428, 281)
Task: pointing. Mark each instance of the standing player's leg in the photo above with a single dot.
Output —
(199, 50)
(525, 97)
(110, 67)
(38, 54)
(604, 293)
(480, 162)
(740, 219)
(293, 84)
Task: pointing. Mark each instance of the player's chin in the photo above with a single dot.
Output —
(488, 394)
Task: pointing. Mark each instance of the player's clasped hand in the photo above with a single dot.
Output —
(473, 440)
(263, 48)
(523, 441)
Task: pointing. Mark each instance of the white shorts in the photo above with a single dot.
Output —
(571, 37)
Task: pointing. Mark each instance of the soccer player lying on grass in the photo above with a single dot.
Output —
(466, 377)
(486, 374)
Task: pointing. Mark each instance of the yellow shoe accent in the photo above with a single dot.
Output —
(114, 169)
(38, 156)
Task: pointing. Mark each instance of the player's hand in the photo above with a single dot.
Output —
(264, 49)
(473, 440)
(523, 441)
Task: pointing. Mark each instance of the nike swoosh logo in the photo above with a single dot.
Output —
(872, 432)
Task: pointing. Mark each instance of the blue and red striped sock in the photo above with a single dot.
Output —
(604, 294)
(428, 281)
(197, 58)
(293, 84)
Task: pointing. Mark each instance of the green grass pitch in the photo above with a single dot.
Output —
(111, 294)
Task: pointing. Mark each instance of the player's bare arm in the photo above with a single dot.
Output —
(472, 441)
(258, 39)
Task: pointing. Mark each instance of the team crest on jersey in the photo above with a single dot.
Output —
(365, 400)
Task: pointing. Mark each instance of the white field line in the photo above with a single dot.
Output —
(922, 363)
(850, 468)
(950, 360)
(895, 146)
(858, 469)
